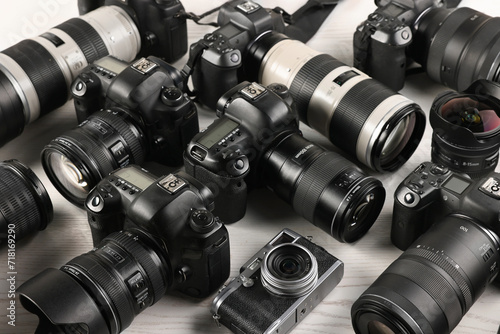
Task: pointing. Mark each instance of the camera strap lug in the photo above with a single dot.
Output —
(216, 318)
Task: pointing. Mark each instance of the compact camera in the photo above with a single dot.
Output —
(454, 46)
(256, 142)
(218, 57)
(432, 192)
(129, 113)
(151, 235)
(278, 286)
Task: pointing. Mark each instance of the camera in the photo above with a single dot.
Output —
(128, 113)
(466, 125)
(36, 74)
(278, 286)
(256, 142)
(151, 235)
(432, 192)
(25, 205)
(448, 226)
(454, 46)
(218, 57)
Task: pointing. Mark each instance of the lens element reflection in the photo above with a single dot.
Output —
(69, 175)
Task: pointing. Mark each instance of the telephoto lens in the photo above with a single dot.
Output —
(25, 205)
(466, 126)
(433, 284)
(361, 116)
(36, 74)
(323, 187)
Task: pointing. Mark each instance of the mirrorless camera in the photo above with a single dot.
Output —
(256, 142)
(163, 238)
(448, 226)
(278, 286)
(454, 46)
(129, 113)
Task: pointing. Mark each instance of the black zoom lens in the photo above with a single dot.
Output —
(101, 291)
(77, 160)
(323, 187)
(25, 205)
(431, 286)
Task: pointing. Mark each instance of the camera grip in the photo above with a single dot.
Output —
(408, 223)
(387, 64)
(86, 91)
(102, 225)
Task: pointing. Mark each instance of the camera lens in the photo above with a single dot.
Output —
(458, 47)
(433, 284)
(101, 291)
(289, 270)
(466, 135)
(25, 205)
(369, 121)
(36, 74)
(77, 160)
(323, 187)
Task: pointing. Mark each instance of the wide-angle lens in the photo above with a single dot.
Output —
(369, 121)
(466, 136)
(433, 284)
(101, 291)
(323, 187)
(458, 47)
(25, 205)
(78, 159)
(36, 74)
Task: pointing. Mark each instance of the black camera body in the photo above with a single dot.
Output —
(175, 210)
(255, 303)
(381, 42)
(163, 31)
(218, 57)
(147, 93)
(432, 192)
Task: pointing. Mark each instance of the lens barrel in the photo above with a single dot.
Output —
(323, 187)
(366, 119)
(78, 159)
(25, 205)
(433, 284)
(36, 74)
(101, 291)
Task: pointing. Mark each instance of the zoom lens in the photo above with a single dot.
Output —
(323, 187)
(36, 74)
(369, 121)
(101, 291)
(25, 205)
(433, 284)
(458, 47)
(466, 125)
(289, 270)
(77, 160)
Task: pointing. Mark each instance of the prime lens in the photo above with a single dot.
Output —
(433, 284)
(25, 205)
(367, 120)
(458, 47)
(78, 159)
(323, 187)
(36, 74)
(101, 291)
(466, 126)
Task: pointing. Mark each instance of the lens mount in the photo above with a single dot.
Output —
(289, 270)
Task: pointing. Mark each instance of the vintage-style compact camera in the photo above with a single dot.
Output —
(129, 113)
(278, 286)
(256, 142)
(151, 235)
(432, 192)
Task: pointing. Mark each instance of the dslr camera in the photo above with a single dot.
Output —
(278, 286)
(454, 46)
(151, 235)
(256, 142)
(432, 192)
(128, 113)
(218, 57)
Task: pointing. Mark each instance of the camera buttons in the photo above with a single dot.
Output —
(96, 203)
(438, 170)
(408, 198)
(202, 221)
